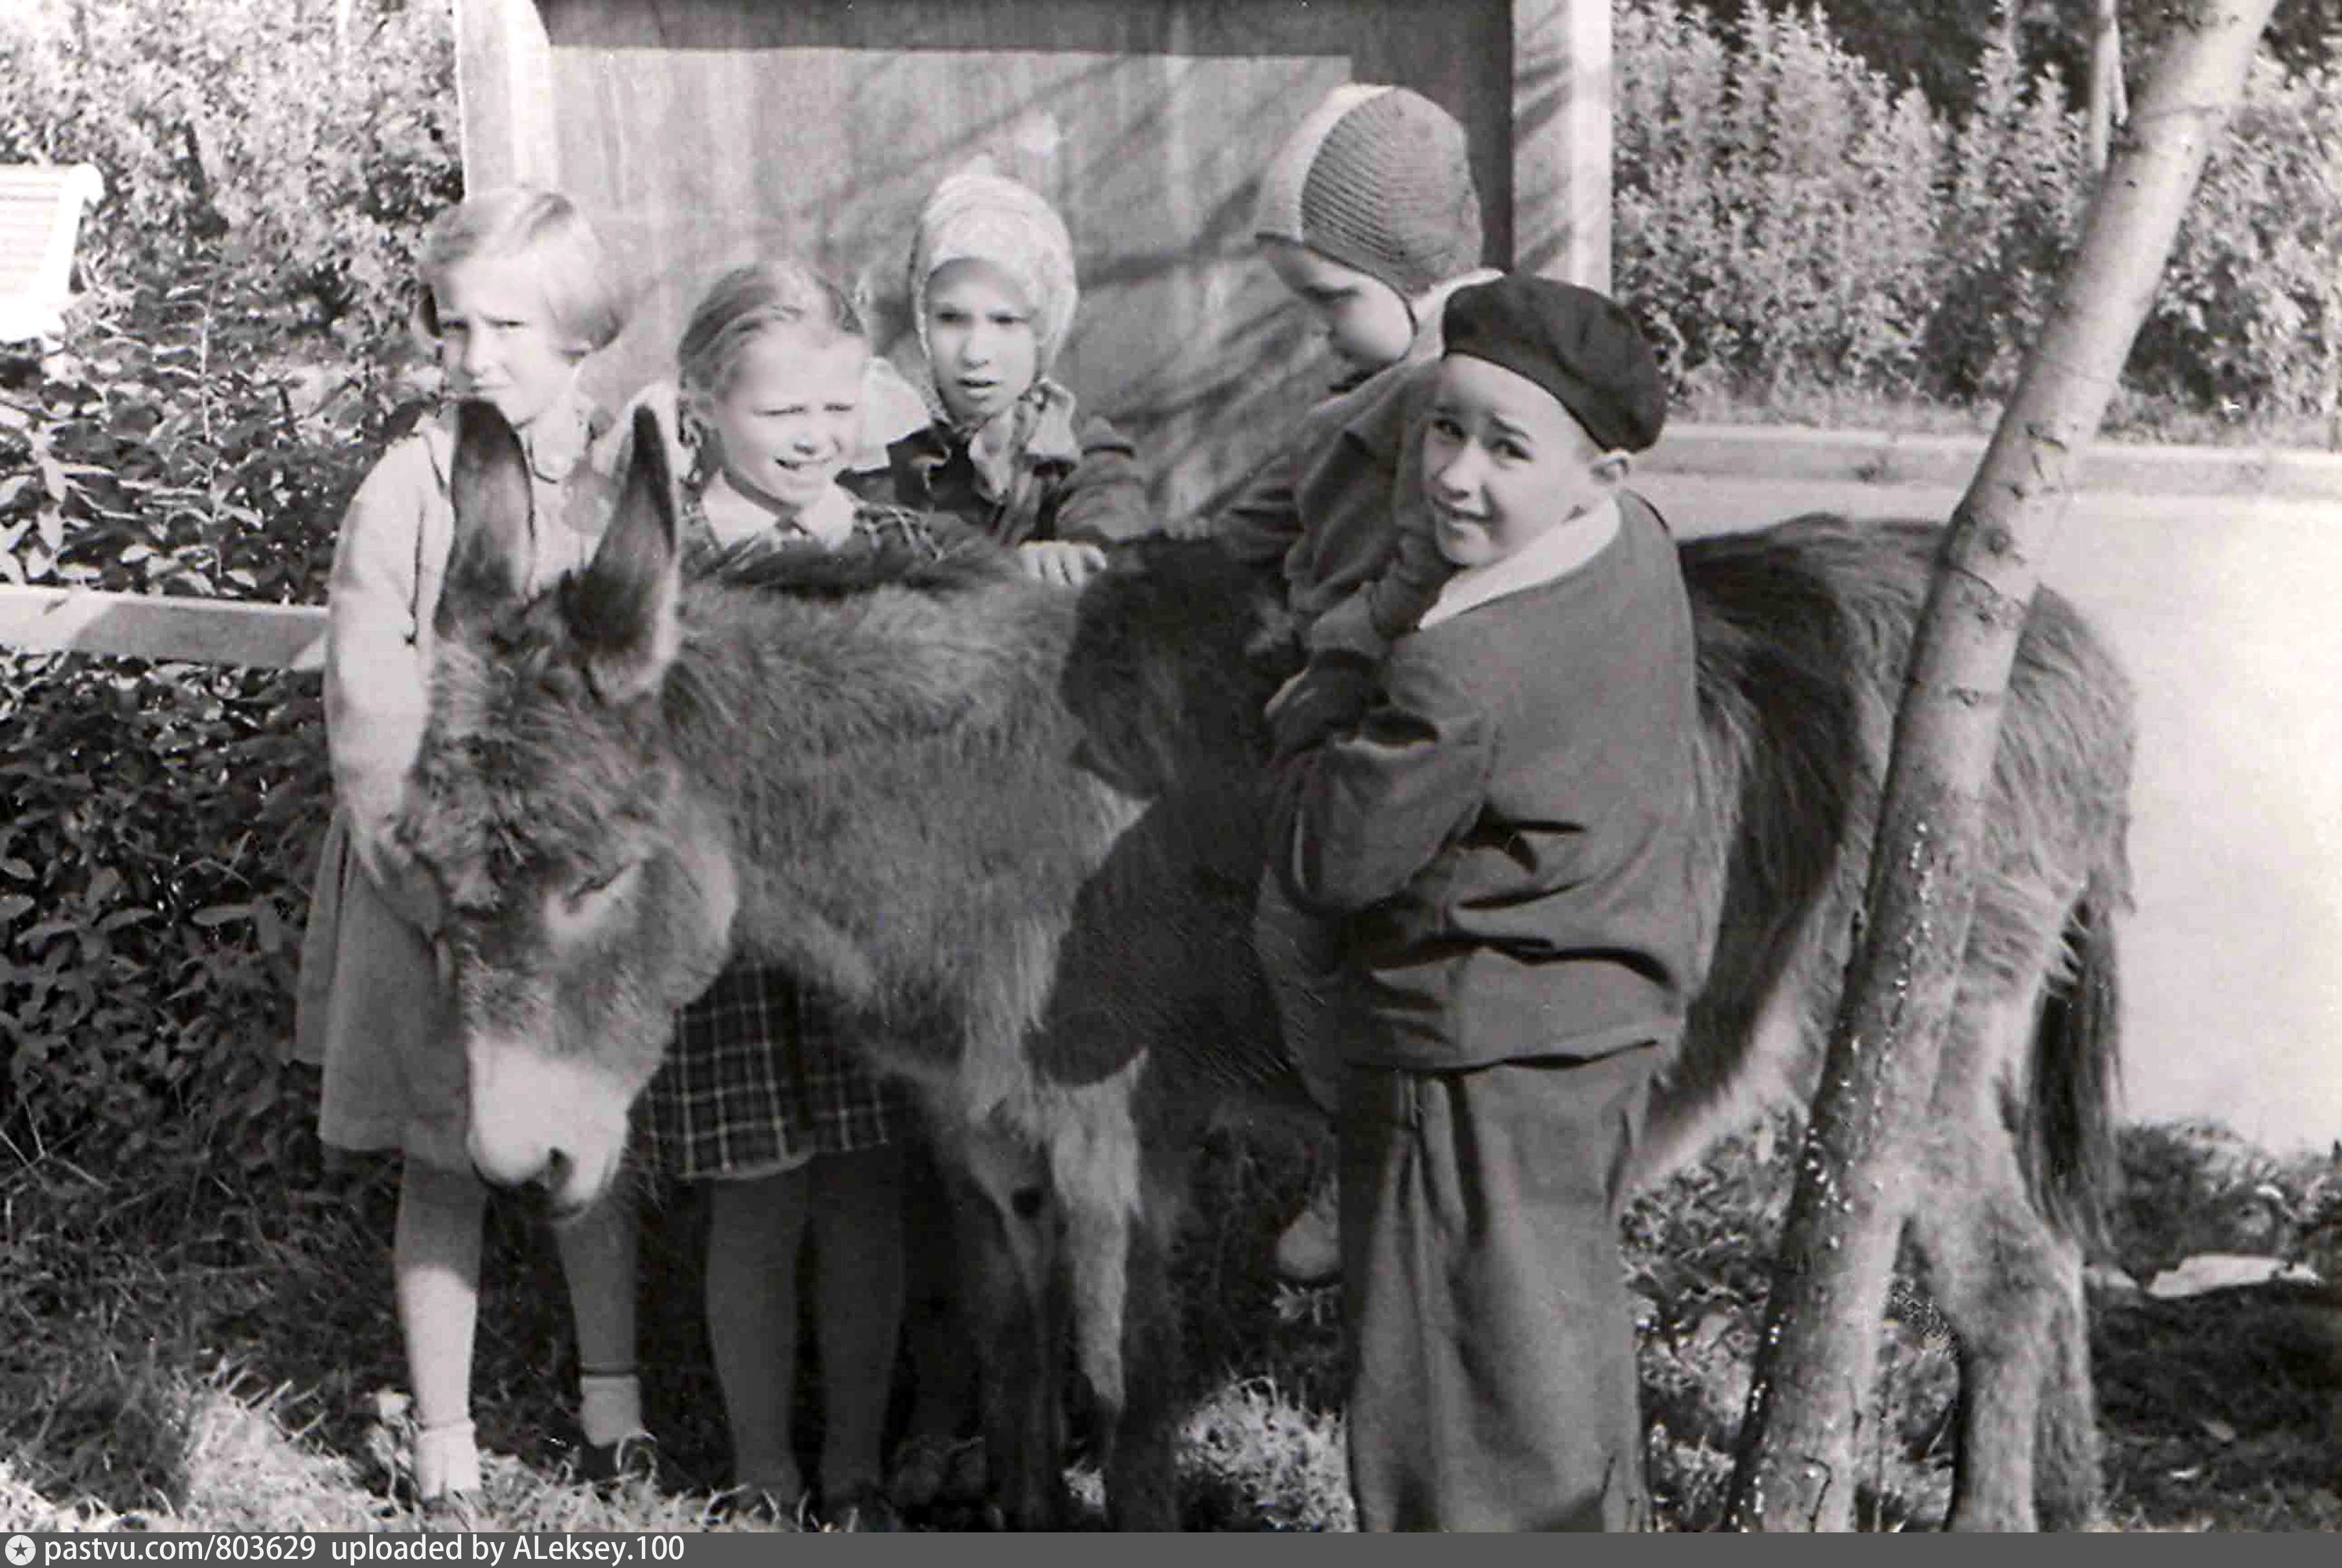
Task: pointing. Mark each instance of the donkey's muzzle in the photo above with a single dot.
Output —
(544, 1121)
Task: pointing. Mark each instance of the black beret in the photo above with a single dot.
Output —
(1575, 343)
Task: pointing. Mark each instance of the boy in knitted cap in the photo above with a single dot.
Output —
(1500, 815)
(993, 296)
(1370, 214)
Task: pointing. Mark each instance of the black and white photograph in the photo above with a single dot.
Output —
(779, 767)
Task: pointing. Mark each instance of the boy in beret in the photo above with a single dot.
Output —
(1499, 815)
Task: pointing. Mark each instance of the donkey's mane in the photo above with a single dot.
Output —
(882, 647)
(961, 559)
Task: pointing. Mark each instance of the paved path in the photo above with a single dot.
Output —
(2225, 612)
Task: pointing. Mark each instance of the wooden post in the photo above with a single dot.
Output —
(504, 90)
(1561, 140)
(1815, 1362)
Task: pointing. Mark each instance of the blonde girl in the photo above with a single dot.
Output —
(760, 1095)
(517, 291)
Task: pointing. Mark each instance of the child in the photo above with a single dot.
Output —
(1368, 214)
(993, 296)
(759, 1094)
(516, 293)
(1501, 817)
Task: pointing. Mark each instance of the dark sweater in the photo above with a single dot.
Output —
(1320, 514)
(1098, 498)
(1509, 827)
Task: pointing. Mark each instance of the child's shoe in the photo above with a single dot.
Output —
(449, 1513)
(755, 1508)
(1309, 1253)
(447, 1478)
(633, 1457)
(861, 1508)
(922, 1467)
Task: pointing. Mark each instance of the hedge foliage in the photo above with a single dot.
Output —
(163, 819)
(1785, 214)
(313, 155)
(236, 368)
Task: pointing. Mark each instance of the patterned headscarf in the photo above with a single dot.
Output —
(976, 214)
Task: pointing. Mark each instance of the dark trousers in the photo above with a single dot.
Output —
(1492, 1382)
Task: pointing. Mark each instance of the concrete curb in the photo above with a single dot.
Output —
(1879, 457)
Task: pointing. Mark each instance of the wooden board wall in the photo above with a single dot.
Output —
(699, 133)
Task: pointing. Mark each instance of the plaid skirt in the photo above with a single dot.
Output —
(758, 1080)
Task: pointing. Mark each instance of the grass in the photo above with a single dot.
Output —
(202, 1350)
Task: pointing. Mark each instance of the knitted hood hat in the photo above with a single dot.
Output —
(976, 214)
(1575, 343)
(1377, 178)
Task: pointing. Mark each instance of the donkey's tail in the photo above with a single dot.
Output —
(2072, 1164)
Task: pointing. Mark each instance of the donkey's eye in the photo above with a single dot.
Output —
(597, 882)
(577, 909)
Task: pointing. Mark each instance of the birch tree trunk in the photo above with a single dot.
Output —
(1819, 1356)
(2105, 101)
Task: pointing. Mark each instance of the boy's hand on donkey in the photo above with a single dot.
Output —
(1331, 692)
(1348, 628)
(1064, 561)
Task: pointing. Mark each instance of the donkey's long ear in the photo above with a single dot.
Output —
(490, 493)
(622, 611)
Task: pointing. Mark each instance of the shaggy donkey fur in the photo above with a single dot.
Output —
(1012, 833)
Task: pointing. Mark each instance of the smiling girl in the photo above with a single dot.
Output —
(760, 1095)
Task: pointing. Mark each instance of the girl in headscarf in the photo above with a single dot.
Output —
(993, 296)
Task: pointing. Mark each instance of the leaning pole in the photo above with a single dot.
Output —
(1818, 1358)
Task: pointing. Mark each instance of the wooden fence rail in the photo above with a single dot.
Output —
(181, 631)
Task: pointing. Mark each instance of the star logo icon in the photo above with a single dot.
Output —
(20, 1550)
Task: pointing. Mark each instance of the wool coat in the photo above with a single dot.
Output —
(1506, 833)
(1325, 513)
(1078, 480)
(370, 1007)
(1506, 830)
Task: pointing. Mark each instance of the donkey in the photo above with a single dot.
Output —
(1011, 832)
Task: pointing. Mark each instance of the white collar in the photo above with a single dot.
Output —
(827, 518)
(1556, 553)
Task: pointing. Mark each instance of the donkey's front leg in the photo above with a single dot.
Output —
(1009, 1244)
(1142, 1489)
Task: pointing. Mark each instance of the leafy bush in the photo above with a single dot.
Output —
(163, 818)
(152, 885)
(2194, 1186)
(1773, 214)
(314, 158)
(2251, 312)
(2013, 194)
(1936, 46)
(1786, 217)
